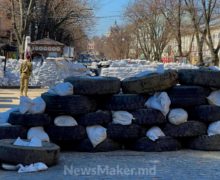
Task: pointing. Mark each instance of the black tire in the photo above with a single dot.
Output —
(29, 120)
(96, 118)
(162, 144)
(124, 133)
(68, 105)
(58, 133)
(126, 102)
(11, 154)
(148, 117)
(205, 142)
(207, 113)
(12, 132)
(105, 146)
(187, 129)
(87, 85)
(201, 77)
(150, 83)
(185, 96)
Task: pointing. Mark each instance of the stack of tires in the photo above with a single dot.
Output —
(12, 154)
(204, 112)
(84, 106)
(92, 103)
(95, 99)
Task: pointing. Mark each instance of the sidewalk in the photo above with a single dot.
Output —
(9, 98)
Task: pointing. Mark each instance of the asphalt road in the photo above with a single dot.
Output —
(184, 164)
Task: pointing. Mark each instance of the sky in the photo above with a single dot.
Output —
(107, 12)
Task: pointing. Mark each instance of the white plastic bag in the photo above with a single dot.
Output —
(62, 89)
(214, 98)
(177, 116)
(5, 115)
(159, 101)
(214, 128)
(38, 132)
(122, 117)
(32, 167)
(38, 106)
(25, 104)
(154, 133)
(96, 134)
(65, 121)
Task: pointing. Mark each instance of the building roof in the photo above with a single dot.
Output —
(47, 41)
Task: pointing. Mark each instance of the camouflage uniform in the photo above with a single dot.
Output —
(25, 72)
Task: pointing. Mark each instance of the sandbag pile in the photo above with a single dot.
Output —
(129, 68)
(45, 74)
(153, 112)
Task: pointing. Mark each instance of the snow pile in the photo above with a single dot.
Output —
(47, 73)
(128, 68)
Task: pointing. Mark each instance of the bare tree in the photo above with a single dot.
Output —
(60, 18)
(197, 20)
(208, 8)
(21, 16)
(202, 14)
(117, 44)
(63, 20)
(152, 29)
(173, 11)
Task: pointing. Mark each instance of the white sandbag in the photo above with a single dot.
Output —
(62, 89)
(159, 101)
(214, 128)
(34, 142)
(96, 134)
(214, 98)
(154, 133)
(32, 167)
(38, 106)
(25, 104)
(65, 121)
(122, 117)
(5, 115)
(177, 116)
(38, 132)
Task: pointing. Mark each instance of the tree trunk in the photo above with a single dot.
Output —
(215, 58)
(180, 48)
(21, 50)
(200, 54)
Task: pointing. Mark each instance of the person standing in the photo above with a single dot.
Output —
(25, 73)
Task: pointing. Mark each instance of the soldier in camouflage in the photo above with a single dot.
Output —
(25, 72)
